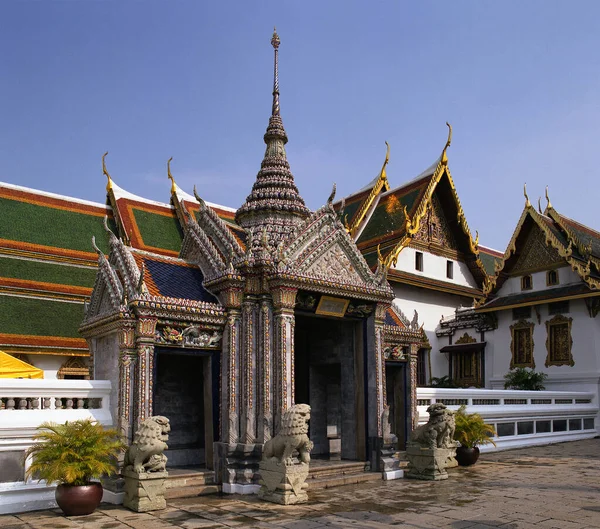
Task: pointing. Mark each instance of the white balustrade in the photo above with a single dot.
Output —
(24, 405)
(521, 418)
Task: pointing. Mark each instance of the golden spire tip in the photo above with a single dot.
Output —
(527, 203)
(548, 199)
(170, 176)
(106, 173)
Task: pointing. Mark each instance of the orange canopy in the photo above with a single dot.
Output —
(11, 367)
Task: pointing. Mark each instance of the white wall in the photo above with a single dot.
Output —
(512, 285)
(434, 267)
(49, 363)
(585, 331)
(431, 305)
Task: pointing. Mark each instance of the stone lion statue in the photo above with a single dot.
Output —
(438, 432)
(293, 435)
(150, 441)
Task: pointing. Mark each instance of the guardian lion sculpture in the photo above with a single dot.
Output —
(292, 436)
(438, 432)
(150, 441)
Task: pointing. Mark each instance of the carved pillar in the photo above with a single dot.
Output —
(127, 365)
(284, 299)
(230, 367)
(265, 371)
(144, 368)
(379, 364)
(414, 416)
(248, 396)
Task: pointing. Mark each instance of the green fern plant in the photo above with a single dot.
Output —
(471, 430)
(74, 453)
(524, 379)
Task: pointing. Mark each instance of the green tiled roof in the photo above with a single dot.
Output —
(158, 231)
(48, 226)
(488, 262)
(386, 219)
(40, 317)
(62, 274)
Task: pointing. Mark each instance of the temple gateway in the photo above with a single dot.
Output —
(260, 308)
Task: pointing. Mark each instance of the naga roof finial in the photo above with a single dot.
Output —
(527, 203)
(448, 142)
(540, 205)
(385, 162)
(170, 176)
(275, 41)
(105, 172)
(548, 199)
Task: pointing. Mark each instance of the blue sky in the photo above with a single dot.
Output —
(146, 80)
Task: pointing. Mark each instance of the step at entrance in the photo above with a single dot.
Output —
(325, 474)
(187, 482)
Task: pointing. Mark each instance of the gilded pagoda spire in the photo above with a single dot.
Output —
(274, 202)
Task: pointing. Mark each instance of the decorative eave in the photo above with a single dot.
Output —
(578, 265)
(381, 184)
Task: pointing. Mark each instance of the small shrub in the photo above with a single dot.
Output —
(471, 430)
(525, 379)
(74, 453)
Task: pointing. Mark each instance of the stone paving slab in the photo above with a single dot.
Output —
(550, 487)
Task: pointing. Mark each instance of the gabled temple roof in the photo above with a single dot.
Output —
(561, 237)
(489, 257)
(399, 213)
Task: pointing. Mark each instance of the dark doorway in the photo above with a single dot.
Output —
(180, 394)
(329, 376)
(395, 380)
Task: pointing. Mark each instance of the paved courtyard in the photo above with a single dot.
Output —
(554, 486)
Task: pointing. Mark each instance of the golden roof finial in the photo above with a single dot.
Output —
(448, 142)
(170, 177)
(527, 203)
(540, 205)
(387, 159)
(109, 184)
(548, 199)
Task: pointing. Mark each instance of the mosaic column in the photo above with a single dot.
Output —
(144, 369)
(264, 374)
(230, 367)
(379, 364)
(250, 316)
(284, 299)
(127, 366)
(414, 416)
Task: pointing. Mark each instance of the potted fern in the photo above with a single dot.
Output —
(72, 455)
(471, 431)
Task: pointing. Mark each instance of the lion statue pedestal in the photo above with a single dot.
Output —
(283, 476)
(431, 448)
(145, 465)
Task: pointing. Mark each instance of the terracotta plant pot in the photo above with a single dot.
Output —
(467, 456)
(78, 500)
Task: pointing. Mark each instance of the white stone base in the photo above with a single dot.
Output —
(393, 474)
(23, 497)
(237, 488)
(116, 498)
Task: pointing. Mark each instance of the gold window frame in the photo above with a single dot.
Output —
(558, 320)
(74, 366)
(520, 326)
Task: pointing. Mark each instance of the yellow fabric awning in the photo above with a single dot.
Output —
(11, 367)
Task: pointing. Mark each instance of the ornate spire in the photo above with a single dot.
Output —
(274, 202)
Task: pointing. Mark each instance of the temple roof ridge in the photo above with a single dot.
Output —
(119, 192)
(54, 195)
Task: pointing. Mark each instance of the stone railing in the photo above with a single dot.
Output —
(521, 418)
(25, 404)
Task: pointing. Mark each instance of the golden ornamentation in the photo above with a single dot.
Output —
(109, 184)
(170, 177)
(444, 160)
(527, 203)
(549, 206)
(559, 343)
(465, 338)
(381, 184)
